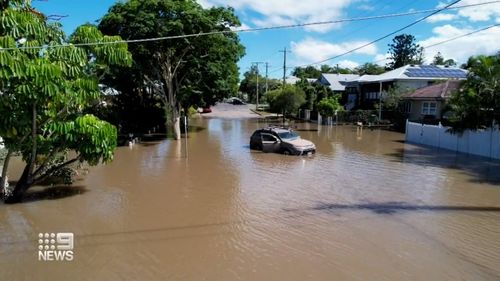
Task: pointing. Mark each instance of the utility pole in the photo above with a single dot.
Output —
(257, 90)
(284, 51)
(267, 80)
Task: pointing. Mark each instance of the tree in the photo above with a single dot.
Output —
(477, 104)
(307, 72)
(403, 50)
(328, 106)
(439, 60)
(45, 92)
(186, 71)
(393, 97)
(369, 69)
(286, 100)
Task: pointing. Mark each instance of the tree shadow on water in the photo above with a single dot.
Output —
(397, 207)
(480, 169)
(53, 193)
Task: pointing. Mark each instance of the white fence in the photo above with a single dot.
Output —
(483, 143)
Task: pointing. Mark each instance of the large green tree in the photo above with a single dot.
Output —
(477, 104)
(45, 91)
(286, 100)
(328, 106)
(404, 50)
(369, 69)
(439, 60)
(187, 71)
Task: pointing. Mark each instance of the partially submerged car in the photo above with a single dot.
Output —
(281, 140)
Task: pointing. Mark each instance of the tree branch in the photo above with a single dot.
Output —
(52, 170)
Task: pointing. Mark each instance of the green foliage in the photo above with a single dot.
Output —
(477, 104)
(194, 71)
(286, 100)
(45, 91)
(249, 85)
(370, 69)
(404, 50)
(328, 106)
(393, 96)
(306, 72)
(439, 60)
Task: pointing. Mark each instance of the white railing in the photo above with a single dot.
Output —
(482, 142)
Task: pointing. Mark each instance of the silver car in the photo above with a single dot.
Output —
(281, 140)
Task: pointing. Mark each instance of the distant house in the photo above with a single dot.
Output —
(292, 80)
(365, 91)
(337, 83)
(428, 102)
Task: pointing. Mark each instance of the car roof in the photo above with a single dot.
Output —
(276, 129)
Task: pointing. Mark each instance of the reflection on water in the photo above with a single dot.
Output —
(365, 207)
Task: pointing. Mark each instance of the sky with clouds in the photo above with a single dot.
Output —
(315, 43)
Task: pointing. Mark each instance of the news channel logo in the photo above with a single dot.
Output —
(56, 246)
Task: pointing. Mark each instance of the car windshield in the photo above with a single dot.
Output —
(288, 135)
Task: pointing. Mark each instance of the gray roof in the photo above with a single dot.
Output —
(416, 72)
(337, 82)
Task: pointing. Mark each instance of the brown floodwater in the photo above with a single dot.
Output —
(367, 206)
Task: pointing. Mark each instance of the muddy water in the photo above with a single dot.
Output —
(365, 207)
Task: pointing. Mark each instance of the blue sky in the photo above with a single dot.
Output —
(308, 45)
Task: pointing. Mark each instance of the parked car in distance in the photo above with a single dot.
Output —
(281, 140)
(235, 101)
(206, 110)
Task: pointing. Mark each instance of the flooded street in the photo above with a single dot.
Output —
(365, 207)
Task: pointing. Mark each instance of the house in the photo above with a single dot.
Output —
(292, 80)
(337, 83)
(428, 102)
(365, 91)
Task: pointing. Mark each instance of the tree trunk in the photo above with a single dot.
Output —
(177, 128)
(5, 168)
(22, 185)
(26, 179)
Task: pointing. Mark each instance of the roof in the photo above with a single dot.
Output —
(337, 82)
(416, 72)
(436, 91)
(292, 80)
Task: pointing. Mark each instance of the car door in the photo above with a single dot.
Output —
(270, 143)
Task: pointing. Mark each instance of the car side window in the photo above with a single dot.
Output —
(268, 138)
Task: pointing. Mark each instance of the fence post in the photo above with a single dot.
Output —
(406, 130)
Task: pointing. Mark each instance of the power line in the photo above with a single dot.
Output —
(451, 39)
(461, 36)
(383, 37)
(131, 41)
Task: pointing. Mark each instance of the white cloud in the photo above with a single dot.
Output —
(479, 13)
(485, 42)
(312, 50)
(381, 59)
(348, 64)
(441, 17)
(243, 26)
(280, 12)
(366, 7)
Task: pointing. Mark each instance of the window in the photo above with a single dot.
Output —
(268, 138)
(429, 108)
(406, 107)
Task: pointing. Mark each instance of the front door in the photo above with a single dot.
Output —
(270, 143)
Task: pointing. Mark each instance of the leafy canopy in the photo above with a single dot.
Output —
(45, 91)
(476, 104)
(404, 50)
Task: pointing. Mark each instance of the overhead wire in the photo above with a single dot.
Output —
(383, 37)
(451, 39)
(132, 41)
